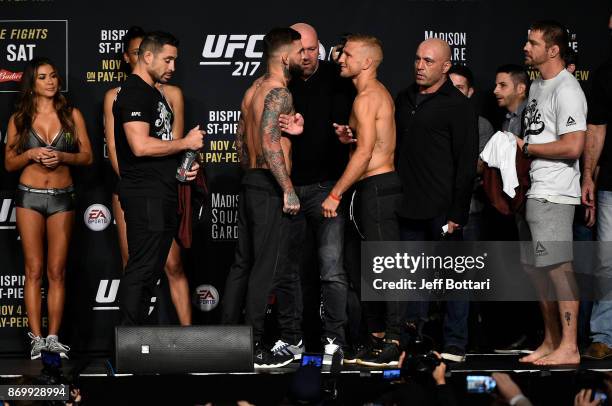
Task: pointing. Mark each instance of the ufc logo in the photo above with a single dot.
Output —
(217, 46)
(7, 214)
(106, 293)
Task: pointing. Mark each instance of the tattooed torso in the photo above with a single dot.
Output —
(268, 149)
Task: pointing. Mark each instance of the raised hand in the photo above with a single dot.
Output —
(344, 133)
(291, 124)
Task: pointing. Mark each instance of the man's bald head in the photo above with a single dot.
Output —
(305, 30)
(432, 61)
(437, 46)
(310, 43)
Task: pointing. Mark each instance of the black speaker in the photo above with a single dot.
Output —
(177, 350)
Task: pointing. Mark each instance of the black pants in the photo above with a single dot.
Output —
(455, 327)
(374, 208)
(261, 253)
(329, 240)
(151, 225)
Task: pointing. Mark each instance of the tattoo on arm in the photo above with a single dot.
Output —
(568, 317)
(278, 101)
(260, 161)
(241, 145)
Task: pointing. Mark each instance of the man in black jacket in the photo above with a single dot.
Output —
(436, 153)
(318, 159)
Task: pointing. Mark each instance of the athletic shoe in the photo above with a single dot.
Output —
(266, 359)
(351, 357)
(55, 346)
(283, 348)
(453, 353)
(38, 344)
(598, 351)
(386, 356)
(332, 350)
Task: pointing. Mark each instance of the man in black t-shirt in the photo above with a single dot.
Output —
(147, 157)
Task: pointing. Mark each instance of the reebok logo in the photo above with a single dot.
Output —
(570, 121)
(540, 250)
(136, 114)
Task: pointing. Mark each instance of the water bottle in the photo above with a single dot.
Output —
(186, 161)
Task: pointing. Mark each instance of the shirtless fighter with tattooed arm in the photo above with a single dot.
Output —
(267, 193)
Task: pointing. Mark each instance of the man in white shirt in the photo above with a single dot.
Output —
(555, 125)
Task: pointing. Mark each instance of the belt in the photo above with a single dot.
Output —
(62, 191)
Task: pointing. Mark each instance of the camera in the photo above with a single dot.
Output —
(423, 364)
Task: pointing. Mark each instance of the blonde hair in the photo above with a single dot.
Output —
(371, 42)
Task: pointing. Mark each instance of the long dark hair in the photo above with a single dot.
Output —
(26, 105)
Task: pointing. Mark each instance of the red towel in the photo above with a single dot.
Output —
(493, 186)
(184, 211)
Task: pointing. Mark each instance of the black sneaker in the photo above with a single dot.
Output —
(387, 356)
(453, 353)
(263, 358)
(362, 351)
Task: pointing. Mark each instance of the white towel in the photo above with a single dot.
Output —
(500, 152)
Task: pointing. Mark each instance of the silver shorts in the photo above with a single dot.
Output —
(548, 229)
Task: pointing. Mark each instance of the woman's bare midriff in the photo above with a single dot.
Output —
(39, 177)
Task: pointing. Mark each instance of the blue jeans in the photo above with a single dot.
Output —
(601, 317)
(455, 327)
(329, 236)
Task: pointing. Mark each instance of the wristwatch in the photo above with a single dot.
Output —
(526, 149)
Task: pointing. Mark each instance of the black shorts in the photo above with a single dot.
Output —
(45, 201)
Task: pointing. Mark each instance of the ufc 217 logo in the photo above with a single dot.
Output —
(237, 50)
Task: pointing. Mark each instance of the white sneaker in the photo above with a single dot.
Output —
(283, 348)
(332, 350)
(53, 345)
(38, 344)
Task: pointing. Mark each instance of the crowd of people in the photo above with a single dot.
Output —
(325, 149)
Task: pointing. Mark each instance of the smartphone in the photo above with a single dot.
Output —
(480, 384)
(315, 360)
(601, 396)
(392, 374)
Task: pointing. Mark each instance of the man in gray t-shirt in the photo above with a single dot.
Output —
(554, 125)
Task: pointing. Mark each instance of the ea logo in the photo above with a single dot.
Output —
(206, 298)
(97, 217)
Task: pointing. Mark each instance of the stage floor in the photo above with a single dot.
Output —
(355, 385)
(487, 363)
